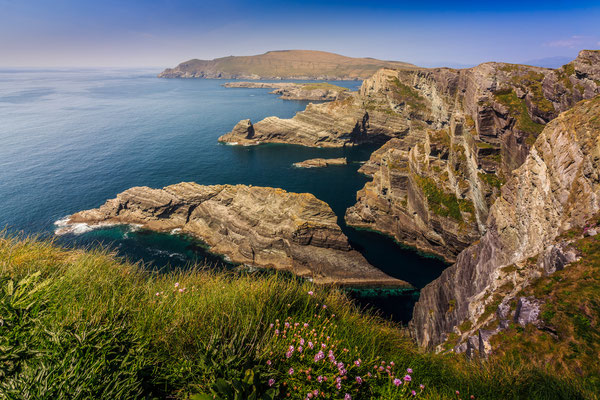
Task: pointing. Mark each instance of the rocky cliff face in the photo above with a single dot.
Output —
(556, 188)
(259, 226)
(468, 129)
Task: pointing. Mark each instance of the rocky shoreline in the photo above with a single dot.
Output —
(296, 91)
(258, 226)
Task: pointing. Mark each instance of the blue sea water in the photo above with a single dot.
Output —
(71, 139)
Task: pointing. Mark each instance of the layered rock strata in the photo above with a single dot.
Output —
(456, 137)
(296, 91)
(557, 188)
(258, 226)
(320, 162)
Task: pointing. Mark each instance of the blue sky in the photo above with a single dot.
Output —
(161, 33)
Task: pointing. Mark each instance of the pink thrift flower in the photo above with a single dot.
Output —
(409, 370)
(397, 382)
(319, 356)
(407, 378)
(413, 393)
(359, 380)
(271, 382)
(357, 363)
(176, 284)
(305, 325)
(311, 345)
(268, 362)
(319, 379)
(291, 371)
(310, 293)
(347, 397)
(392, 363)
(422, 386)
(158, 294)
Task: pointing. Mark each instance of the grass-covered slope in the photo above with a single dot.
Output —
(83, 324)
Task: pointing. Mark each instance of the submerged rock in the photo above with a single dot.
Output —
(259, 226)
(296, 91)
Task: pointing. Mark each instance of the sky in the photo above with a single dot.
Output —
(163, 33)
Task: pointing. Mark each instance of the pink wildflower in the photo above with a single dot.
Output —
(311, 345)
(422, 386)
(319, 356)
(413, 393)
(397, 382)
(407, 378)
(409, 370)
(357, 363)
(271, 382)
(291, 371)
(176, 284)
(347, 397)
(319, 379)
(310, 293)
(359, 380)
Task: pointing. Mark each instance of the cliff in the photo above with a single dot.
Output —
(282, 64)
(456, 135)
(296, 91)
(556, 189)
(258, 226)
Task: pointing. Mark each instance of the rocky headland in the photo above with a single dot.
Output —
(259, 226)
(320, 162)
(282, 64)
(451, 138)
(296, 91)
(555, 190)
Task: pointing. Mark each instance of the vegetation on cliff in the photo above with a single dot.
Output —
(83, 324)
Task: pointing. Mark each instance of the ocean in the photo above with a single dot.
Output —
(71, 139)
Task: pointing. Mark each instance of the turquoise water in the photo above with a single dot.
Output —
(71, 139)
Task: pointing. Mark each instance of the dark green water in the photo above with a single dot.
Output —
(72, 139)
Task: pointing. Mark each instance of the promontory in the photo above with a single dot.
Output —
(259, 226)
(282, 64)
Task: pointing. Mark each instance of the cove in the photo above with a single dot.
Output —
(72, 139)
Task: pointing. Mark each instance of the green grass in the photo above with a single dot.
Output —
(409, 95)
(570, 338)
(440, 202)
(85, 325)
(491, 179)
(518, 109)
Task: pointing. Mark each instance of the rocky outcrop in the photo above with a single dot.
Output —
(296, 91)
(320, 162)
(557, 188)
(282, 64)
(258, 226)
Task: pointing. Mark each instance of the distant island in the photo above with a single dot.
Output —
(283, 64)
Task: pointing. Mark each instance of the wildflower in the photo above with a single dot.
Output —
(309, 395)
(359, 380)
(413, 393)
(316, 392)
(301, 341)
(277, 331)
(158, 294)
(291, 371)
(319, 356)
(340, 365)
(407, 378)
(369, 374)
(319, 379)
(457, 392)
(324, 306)
(422, 386)
(381, 369)
(357, 363)
(287, 324)
(180, 290)
(300, 349)
(271, 382)
(311, 345)
(310, 293)
(268, 362)
(392, 363)
(270, 326)
(176, 284)
(472, 397)
(306, 325)
(397, 382)
(409, 370)
(347, 397)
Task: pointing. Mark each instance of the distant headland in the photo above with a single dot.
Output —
(283, 64)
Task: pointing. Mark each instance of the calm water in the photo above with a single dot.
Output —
(71, 139)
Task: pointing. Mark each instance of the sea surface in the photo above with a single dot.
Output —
(71, 139)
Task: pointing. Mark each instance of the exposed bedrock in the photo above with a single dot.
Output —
(260, 226)
(556, 188)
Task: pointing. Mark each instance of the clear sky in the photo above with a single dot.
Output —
(161, 33)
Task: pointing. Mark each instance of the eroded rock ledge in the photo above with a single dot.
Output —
(320, 162)
(296, 91)
(260, 226)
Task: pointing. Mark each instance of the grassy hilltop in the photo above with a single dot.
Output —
(84, 324)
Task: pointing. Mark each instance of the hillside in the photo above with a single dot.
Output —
(282, 64)
(83, 324)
